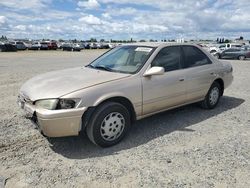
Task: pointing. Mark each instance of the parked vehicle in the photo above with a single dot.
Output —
(35, 46)
(39, 46)
(82, 46)
(245, 47)
(44, 46)
(52, 45)
(28, 45)
(104, 46)
(86, 46)
(19, 45)
(233, 53)
(93, 45)
(71, 47)
(229, 45)
(77, 47)
(222, 47)
(125, 84)
(7, 47)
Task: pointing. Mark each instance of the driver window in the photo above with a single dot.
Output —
(168, 58)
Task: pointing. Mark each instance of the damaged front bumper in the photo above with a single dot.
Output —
(54, 123)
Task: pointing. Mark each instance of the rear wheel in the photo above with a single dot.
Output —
(241, 57)
(213, 96)
(109, 124)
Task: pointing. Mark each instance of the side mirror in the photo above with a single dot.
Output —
(154, 71)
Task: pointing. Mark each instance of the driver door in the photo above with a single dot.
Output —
(168, 90)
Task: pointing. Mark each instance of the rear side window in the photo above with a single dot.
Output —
(168, 58)
(194, 57)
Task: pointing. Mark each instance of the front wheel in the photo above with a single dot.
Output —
(217, 56)
(213, 96)
(109, 124)
(241, 57)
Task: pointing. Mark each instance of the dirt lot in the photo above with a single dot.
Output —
(186, 147)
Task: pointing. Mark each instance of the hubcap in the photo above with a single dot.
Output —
(112, 126)
(214, 96)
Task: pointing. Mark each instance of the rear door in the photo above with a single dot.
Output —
(200, 72)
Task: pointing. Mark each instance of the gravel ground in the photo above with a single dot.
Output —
(186, 147)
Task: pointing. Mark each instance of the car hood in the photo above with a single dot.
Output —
(58, 83)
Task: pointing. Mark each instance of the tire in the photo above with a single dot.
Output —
(213, 96)
(241, 57)
(217, 56)
(109, 124)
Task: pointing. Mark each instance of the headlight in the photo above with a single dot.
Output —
(49, 104)
(56, 104)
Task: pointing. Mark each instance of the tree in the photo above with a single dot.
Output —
(93, 40)
(241, 38)
(142, 40)
(102, 40)
(3, 38)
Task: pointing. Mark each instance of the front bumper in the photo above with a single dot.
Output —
(55, 123)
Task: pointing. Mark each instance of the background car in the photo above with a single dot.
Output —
(44, 46)
(93, 45)
(233, 53)
(245, 47)
(52, 46)
(71, 47)
(35, 46)
(104, 46)
(7, 47)
(86, 45)
(19, 45)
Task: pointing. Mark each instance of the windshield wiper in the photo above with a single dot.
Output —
(101, 67)
(91, 66)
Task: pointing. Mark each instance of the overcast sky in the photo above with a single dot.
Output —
(125, 19)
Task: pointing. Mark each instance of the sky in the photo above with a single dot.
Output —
(125, 19)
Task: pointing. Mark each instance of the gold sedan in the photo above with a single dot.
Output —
(125, 84)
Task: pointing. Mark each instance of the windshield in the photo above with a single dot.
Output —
(125, 59)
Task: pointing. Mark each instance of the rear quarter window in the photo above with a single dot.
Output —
(194, 57)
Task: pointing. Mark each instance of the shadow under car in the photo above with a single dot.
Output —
(143, 131)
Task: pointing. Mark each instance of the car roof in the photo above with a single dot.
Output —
(159, 44)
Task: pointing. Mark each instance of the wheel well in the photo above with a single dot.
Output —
(122, 100)
(220, 81)
(125, 102)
